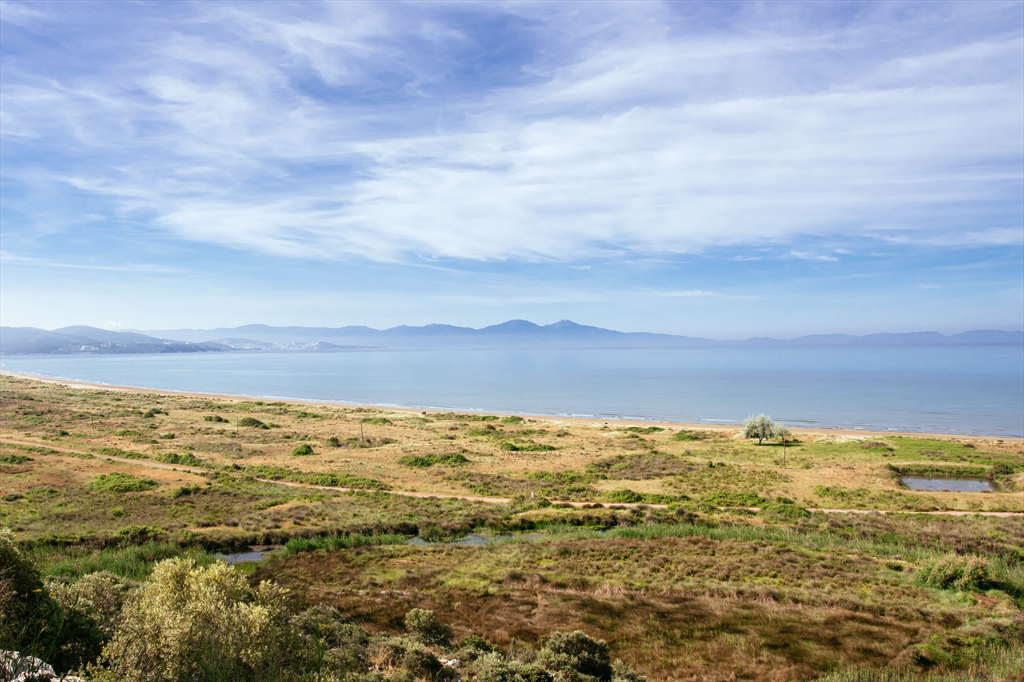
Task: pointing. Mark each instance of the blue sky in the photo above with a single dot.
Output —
(713, 169)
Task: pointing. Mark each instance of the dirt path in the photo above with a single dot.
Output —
(468, 498)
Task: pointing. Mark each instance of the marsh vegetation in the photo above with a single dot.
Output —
(684, 554)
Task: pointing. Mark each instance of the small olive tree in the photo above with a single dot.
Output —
(760, 427)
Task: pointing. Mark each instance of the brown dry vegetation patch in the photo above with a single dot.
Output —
(641, 597)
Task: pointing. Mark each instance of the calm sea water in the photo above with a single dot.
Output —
(956, 389)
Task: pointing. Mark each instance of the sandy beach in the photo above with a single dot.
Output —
(849, 433)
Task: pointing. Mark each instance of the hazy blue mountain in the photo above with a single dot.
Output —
(82, 339)
(511, 334)
(526, 334)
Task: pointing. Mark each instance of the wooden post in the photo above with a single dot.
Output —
(361, 440)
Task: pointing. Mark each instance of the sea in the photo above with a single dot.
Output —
(976, 389)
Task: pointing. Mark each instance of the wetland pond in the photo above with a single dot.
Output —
(953, 485)
(254, 554)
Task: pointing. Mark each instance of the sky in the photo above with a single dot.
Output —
(715, 169)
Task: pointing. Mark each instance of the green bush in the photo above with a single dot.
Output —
(952, 571)
(685, 436)
(784, 508)
(626, 496)
(642, 429)
(253, 422)
(408, 656)
(33, 622)
(185, 491)
(101, 594)
(118, 482)
(493, 667)
(303, 450)
(423, 624)
(200, 623)
(424, 461)
(188, 459)
(512, 420)
(576, 653)
(214, 418)
(379, 421)
(529, 447)
(723, 499)
(14, 459)
(334, 442)
(342, 642)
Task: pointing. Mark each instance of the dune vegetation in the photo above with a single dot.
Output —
(413, 545)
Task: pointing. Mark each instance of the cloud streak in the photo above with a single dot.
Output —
(338, 130)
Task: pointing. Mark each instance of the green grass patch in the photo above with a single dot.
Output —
(379, 421)
(15, 459)
(425, 461)
(730, 499)
(312, 478)
(118, 482)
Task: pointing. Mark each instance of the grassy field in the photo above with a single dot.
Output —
(660, 555)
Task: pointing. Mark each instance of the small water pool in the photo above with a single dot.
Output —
(953, 485)
(246, 557)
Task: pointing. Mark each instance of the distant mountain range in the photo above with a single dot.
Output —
(511, 334)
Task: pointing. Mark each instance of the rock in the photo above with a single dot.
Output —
(17, 668)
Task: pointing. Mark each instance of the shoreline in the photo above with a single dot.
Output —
(846, 433)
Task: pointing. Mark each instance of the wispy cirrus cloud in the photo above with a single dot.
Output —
(403, 132)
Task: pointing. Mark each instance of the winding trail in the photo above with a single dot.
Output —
(468, 498)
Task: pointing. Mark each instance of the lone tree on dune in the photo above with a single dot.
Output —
(762, 427)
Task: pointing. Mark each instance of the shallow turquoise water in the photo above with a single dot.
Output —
(956, 389)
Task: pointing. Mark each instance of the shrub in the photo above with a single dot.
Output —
(253, 422)
(626, 496)
(118, 482)
(493, 667)
(623, 673)
(952, 571)
(642, 429)
(785, 508)
(137, 534)
(200, 623)
(379, 421)
(101, 594)
(188, 459)
(528, 447)
(214, 418)
(425, 461)
(407, 655)
(512, 420)
(423, 624)
(185, 491)
(685, 435)
(14, 459)
(342, 642)
(334, 442)
(723, 499)
(303, 450)
(576, 652)
(33, 622)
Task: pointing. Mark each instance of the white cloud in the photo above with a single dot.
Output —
(803, 255)
(290, 131)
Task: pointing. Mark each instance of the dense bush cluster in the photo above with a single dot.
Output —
(952, 571)
(189, 622)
